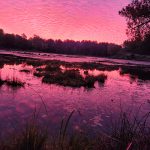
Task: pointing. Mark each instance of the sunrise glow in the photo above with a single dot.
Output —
(65, 19)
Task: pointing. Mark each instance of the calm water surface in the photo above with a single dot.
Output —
(94, 108)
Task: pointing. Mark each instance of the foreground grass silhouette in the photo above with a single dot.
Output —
(126, 135)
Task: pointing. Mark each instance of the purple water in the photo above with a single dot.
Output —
(94, 108)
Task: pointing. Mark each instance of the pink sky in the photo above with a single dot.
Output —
(65, 19)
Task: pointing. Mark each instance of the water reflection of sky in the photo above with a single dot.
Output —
(94, 107)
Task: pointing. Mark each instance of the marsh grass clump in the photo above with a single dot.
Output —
(91, 65)
(67, 78)
(90, 80)
(131, 132)
(31, 137)
(14, 82)
(39, 69)
(39, 74)
(72, 78)
(35, 63)
(140, 72)
(98, 66)
(101, 78)
(52, 68)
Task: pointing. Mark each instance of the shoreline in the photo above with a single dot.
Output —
(75, 58)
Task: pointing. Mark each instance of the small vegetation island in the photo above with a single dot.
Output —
(51, 104)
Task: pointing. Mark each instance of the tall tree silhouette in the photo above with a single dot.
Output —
(137, 14)
(138, 18)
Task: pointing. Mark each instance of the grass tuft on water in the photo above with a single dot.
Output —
(14, 82)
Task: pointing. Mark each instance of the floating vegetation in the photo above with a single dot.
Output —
(68, 78)
(72, 78)
(39, 69)
(52, 68)
(98, 66)
(90, 80)
(14, 82)
(101, 78)
(140, 72)
(34, 62)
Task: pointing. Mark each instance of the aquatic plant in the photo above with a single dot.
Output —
(101, 78)
(89, 81)
(14, 82)
(68, 78)
(38, 74)
(98, 66)
(52, 68)
(34, 62)
(141, 72)
(40, 69)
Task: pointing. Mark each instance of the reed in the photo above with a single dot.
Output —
(127, 134)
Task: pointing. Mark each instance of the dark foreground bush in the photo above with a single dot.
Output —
(126, 134)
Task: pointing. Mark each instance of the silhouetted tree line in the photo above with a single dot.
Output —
(138, 46)
(90, 48)
(137, 14)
